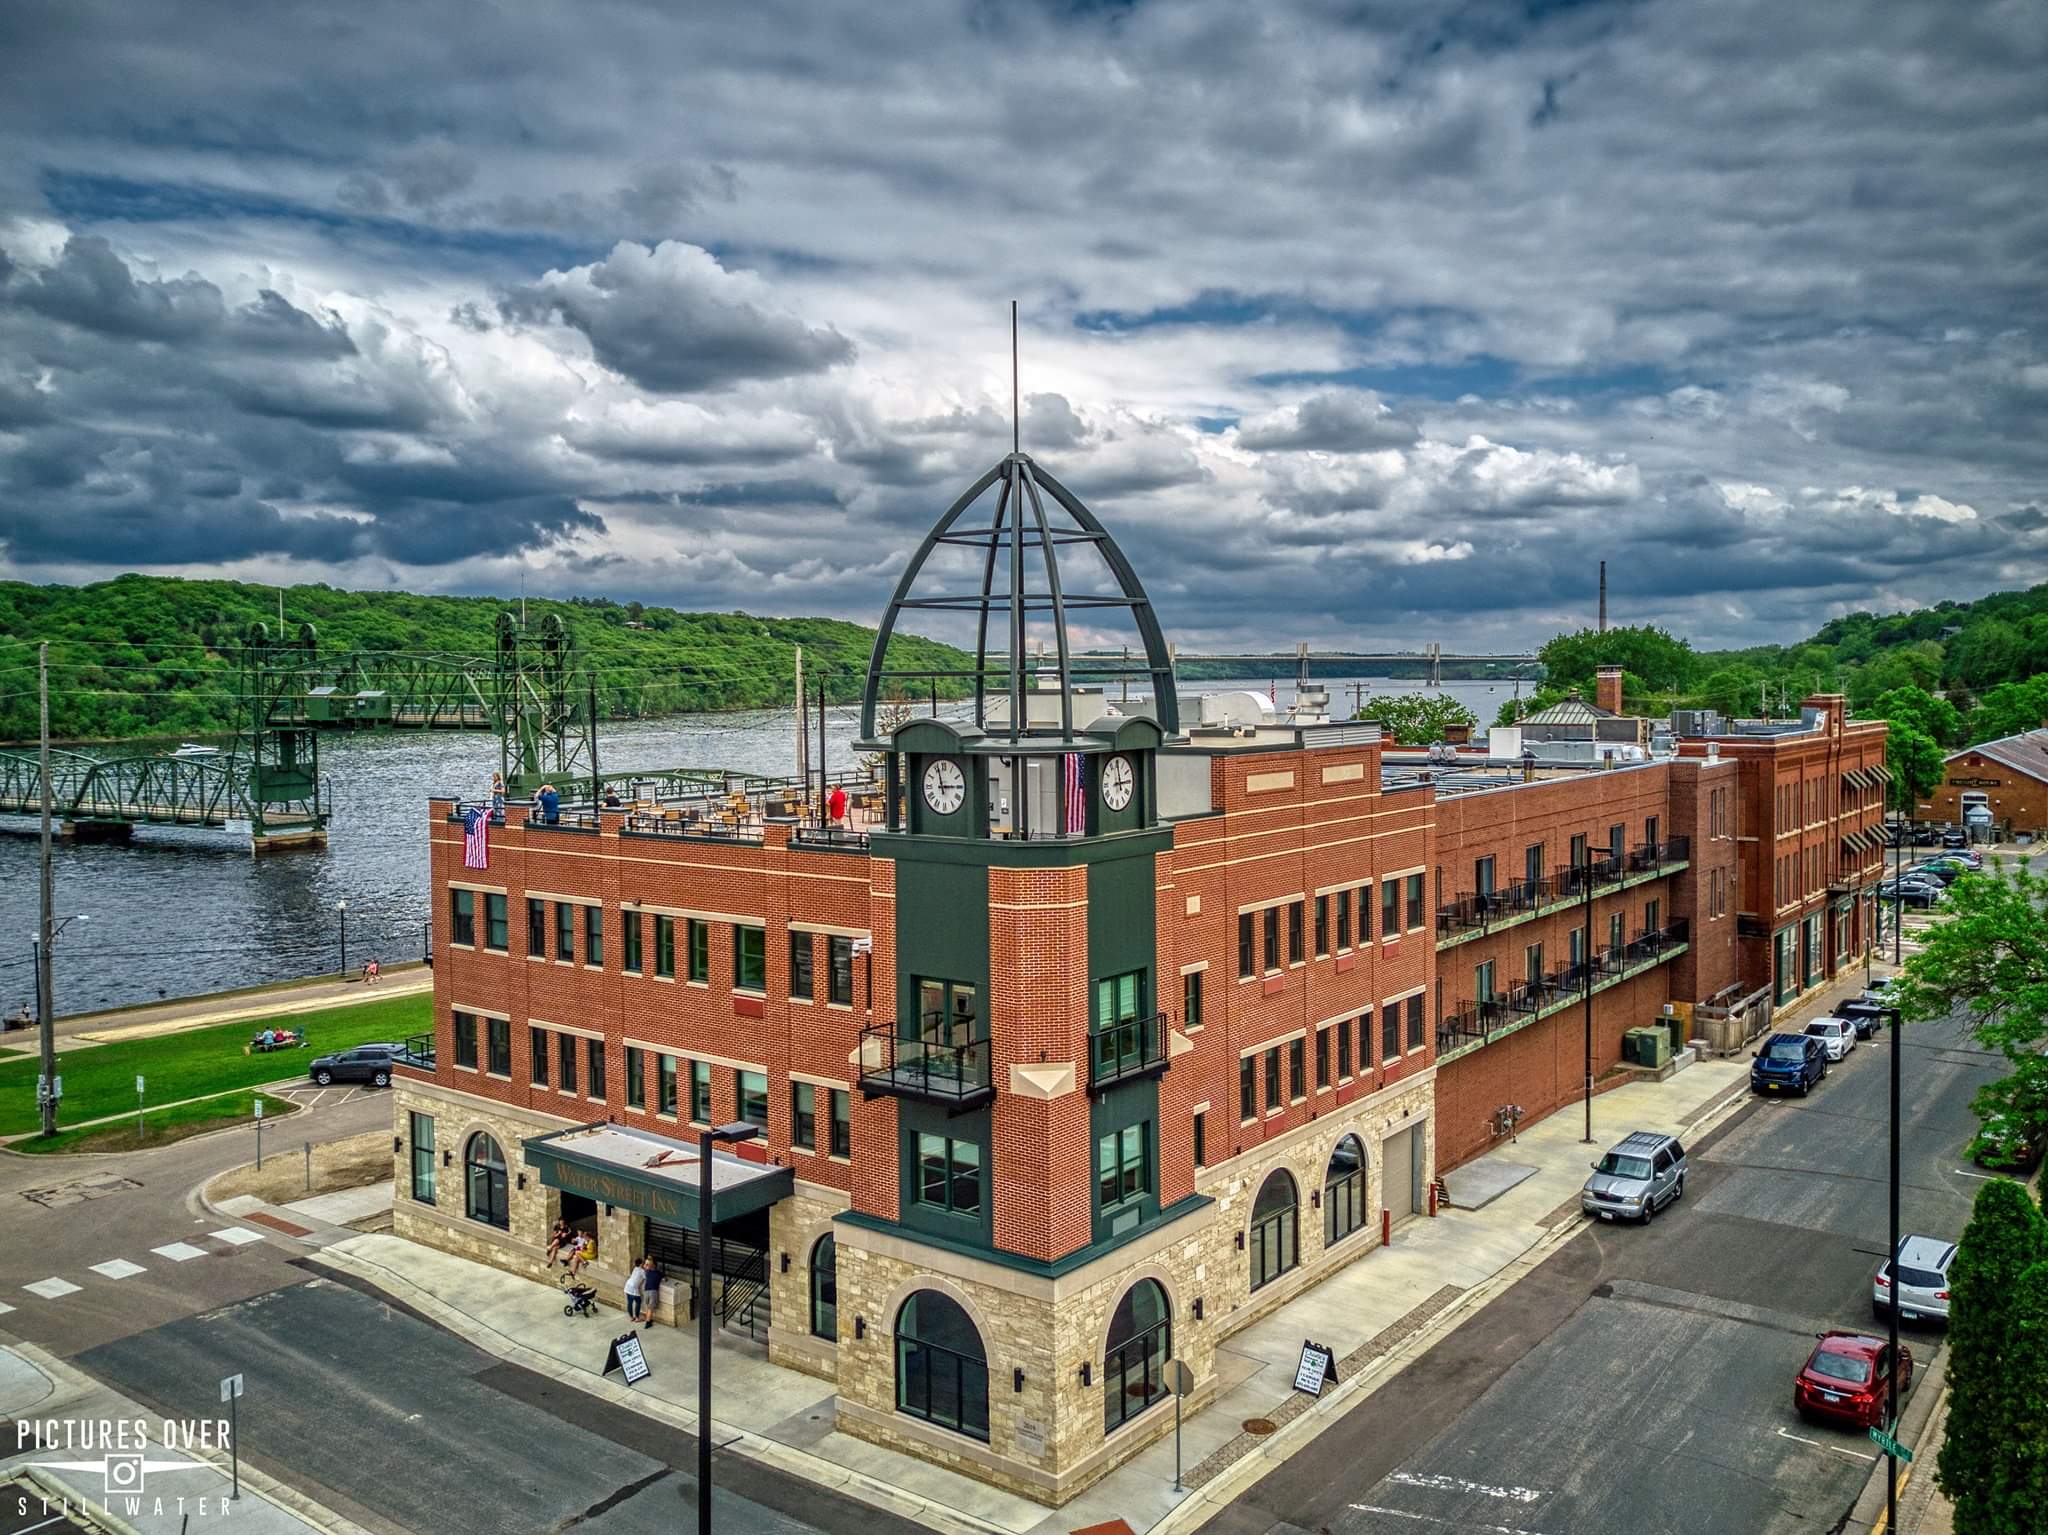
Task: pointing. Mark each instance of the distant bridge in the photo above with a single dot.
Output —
(100, 797)
(1431, 659)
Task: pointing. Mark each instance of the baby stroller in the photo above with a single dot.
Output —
(582, 1300)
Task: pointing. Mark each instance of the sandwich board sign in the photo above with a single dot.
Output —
(1317, 1369)
(625, 1357)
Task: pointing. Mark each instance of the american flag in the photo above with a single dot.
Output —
(476, 838)
(1077, 812)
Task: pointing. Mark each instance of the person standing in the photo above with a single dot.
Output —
(835, 804)
(650, 1286)
(636, 1286)
(550, 805)
(498, 797)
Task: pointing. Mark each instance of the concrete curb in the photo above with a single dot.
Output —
(53, 1157)
(798, 1463)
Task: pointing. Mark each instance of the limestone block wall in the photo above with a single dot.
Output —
(794, 1227)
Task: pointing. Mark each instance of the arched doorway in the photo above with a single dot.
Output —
(1344, 1191)
(1274, 1239)
(1134, 1360)
(941, 1367)
(825, 1288)
(484, 1176)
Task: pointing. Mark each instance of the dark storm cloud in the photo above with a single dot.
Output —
(1350, 422)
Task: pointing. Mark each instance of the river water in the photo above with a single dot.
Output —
(178, 913)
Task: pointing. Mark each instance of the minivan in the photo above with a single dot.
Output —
(1788, 1063)
(1643, 1172)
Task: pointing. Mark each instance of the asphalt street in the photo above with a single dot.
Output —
(1640, 1380)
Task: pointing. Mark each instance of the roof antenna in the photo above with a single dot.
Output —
(1015, 442)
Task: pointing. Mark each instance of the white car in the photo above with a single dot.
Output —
(1836, 1035)
(1922, 1274)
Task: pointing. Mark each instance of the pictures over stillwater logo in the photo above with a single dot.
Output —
(137, 1474)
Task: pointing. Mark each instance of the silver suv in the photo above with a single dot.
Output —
(1645, 1172)
(1922, 1280)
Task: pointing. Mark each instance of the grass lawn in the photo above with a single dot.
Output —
(100, 1079)
(164, 1126)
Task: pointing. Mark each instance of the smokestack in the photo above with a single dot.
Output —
(1603, 596)
(1607, 688)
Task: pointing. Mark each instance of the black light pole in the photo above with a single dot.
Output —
(707, 1201)
(1899, 895)
(342, 907)
(1891, 1461)
(1586, 959)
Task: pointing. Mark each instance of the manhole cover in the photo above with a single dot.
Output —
(1260, 1426)
(79, 1191)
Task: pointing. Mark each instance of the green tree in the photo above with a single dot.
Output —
(1932, 716)
(1416, 719)
(1916, 765)
(2005, 1239)
(1730, 690)
(2009, 709)
(1663, 662)
(2022, 1493)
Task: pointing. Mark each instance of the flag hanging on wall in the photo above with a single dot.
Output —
(1077, 810)
(476, 838)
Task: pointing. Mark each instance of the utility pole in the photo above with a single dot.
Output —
(1586, 958)
(1891, 1461)
(45, 921)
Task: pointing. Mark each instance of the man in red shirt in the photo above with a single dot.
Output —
(835, 804)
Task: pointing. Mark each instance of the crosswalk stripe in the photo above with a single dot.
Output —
(118, 1268)
(237, 1236)
(179, 1252)
(52, 1288)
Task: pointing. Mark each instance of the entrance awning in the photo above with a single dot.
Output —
(652, 1175)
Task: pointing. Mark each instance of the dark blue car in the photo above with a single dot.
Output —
(1788, 1063)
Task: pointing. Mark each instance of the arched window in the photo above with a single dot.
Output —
(825, 1288)
(1140, 1343)
(1274, 1234)
(484, 1165)
(941, 1368)
(1344, 1191)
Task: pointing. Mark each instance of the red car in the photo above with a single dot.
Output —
(1847, 1379)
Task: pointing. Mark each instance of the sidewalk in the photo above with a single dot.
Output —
(1376, 1314)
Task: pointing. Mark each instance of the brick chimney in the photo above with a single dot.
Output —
(1454, 735)
(1607, 689)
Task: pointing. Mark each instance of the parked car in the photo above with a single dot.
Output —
(1788, 1063)
(365, 1063)
(1641, 1174)
(1837, 1036)
(2008, 1144)
(1864, 1015)
(1912, 892)
(1917, 1283)
(1954, 837)
(1937, 870)
(1964, 863)
(1882, 990)
(1847, 1379)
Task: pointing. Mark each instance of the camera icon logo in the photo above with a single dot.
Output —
(124, 1472)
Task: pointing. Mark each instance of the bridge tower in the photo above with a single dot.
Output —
(275, 742)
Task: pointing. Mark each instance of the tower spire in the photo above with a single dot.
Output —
(1016, 436)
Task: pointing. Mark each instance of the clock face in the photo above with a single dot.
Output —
(1117, 782)
(945, 786)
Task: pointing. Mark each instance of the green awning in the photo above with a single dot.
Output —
(652, 1175)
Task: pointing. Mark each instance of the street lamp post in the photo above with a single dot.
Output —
(342, 907)
(1891, 1461)
(706, 1205)
(1586, 960)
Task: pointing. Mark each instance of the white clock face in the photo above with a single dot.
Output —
(945, 787)
(1117, 782)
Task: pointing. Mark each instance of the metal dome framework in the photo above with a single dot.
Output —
(1020, 582)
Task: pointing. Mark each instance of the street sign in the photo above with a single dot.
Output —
(1318, 1368)
(1890, 1446)
(230, 1387)
(625, 1356)
(1180, 1379)
(138, 1087)
(259, 1108)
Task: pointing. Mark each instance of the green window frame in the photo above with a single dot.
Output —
(536, 928)
(839, 973)
(1123, 1163)
(1270, 921)
(636, 1079)
(593, 936)
(565, 1061)
(1247, 1087)
(665, 1083)
(749, 958)
(1123, 1032)
(1247, 963)
(1343, 920)
(565, 932)
(1418, 915)
(1390, 1033)
(947, 1174)
(700, 1092)
(498, 1047)
(630, 935)
(665, 946)
(803, 1116)
(1390, 908)
(1322, 926)
(1201, 1137)
(462, 918)
(1191, 1000)
(1415, 1005)
(1322, 1058)
(593, 1069)
(537, 1056)
(1364, 915)
(464, 1025)
(1273, 1078)
(753, 1097)
(801, 949)
(497, 937)
(699, 936)
(1294, 954)
(1297, 1086)
(842, 1123)
(1344, 1051)
(423, 1158)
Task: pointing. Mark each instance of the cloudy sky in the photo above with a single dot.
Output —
(1363, 323)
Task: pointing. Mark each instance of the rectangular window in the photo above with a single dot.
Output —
(537, 1056)
(1617, 931)
(1578, 941)
(839, 955)
(1652, 911)
(565, 1061)
(803, 1115)
(1532, 862)
(749, 958)
(1271, 921)
(1245, 962)
(465, 1039)
(1343, 920)
(842, 1124)
(497, 935)
(699, 935)
(1294, 933)
(801, 947)
(636, 1078)
(593, 935)
(1482, 875)
(1191, 1000)
(1650, 830)
(1579, 851)
(1365, 1041)
(423, 1158)
(1322, 926)
(946, 1013)
(462, 917)
(1121, 1161)
(1247, 1088)
(1273, 1078)
(1322, 1058)
(1364, 915)
(1482, 982)
(1390, 1033)
(1416, 914)
(593, 1066)
(1532, 963)
(753, 1086)
(630, 956)
(700, 1092)
(1344, 1051)
(1201, 1139)
(948, 1174)
(665, 946)
(1415, 1022)
(565, 932)
(1617, 840)
(498, 1038)
(665, 1083)
(536, 928)
(1297, 1054)
(1390, 908)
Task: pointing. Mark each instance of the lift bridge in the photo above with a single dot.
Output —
(531, 691)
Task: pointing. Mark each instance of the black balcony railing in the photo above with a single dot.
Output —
(1126, 1050)
(1478, 1021)
(419, 1052)
(936, 1069)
